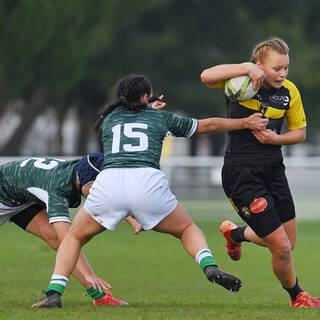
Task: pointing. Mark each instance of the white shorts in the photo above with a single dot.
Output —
(6, 212)
(142, 193)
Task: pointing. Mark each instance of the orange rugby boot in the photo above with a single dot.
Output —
(304, 300)
(233, 248)
(109, 300)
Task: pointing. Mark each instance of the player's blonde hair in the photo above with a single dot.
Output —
(261, 50)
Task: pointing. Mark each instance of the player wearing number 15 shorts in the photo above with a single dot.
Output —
(131, 182)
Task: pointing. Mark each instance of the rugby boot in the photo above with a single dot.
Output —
(109, 300)
(51, 299)
(304, 300)
(226, 280)
(233, 248)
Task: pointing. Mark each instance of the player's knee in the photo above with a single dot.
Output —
(186, 228)
(76, 236)
(176, 233)
(283, 252)
(54, 243)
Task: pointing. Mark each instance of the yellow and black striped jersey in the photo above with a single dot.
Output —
(276, 104)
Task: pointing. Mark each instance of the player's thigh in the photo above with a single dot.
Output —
(84, 227)
(278, 242)
(27, 218)
(283, 200)
(281, 193)
(40, 227)
(246, 188)
(175, 223)
(291, 230)
(20, 215)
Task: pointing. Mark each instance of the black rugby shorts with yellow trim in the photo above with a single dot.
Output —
(260, 194)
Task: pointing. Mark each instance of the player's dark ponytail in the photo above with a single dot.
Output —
(129, 91)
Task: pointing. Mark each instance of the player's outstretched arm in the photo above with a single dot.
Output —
(223, 124)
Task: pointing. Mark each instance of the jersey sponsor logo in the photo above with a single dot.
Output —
(284, 100)
(274, 100)
(245, 211)
(258, 205)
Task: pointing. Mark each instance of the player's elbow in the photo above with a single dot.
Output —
(204, 77)
(302, 134)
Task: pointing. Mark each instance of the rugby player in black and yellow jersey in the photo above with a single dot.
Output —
(253, 174)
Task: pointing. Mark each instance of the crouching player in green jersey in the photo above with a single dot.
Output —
(131, 182)
(36, 194)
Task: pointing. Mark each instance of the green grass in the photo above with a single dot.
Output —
(153, 273)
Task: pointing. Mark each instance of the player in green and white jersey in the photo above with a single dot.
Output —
(132, 184)
(36, 194)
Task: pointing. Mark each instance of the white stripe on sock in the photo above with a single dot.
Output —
(59, 277)
(202, 254)
(63, 283)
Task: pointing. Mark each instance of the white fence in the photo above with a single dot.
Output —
(201, 176)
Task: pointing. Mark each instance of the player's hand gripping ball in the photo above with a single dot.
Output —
(239, 88)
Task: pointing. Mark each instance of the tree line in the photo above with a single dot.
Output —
(68, 54)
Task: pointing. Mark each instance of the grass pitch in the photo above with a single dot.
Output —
(152, 272)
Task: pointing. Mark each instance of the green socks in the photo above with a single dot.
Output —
(95, 294)
(204, 258)
(57, 283)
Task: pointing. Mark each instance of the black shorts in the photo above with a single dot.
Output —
(260, 194)
(24, 217)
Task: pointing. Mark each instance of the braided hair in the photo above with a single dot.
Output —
(129, 91)
(260, 51)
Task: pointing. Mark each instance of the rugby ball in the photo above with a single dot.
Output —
(239, 88)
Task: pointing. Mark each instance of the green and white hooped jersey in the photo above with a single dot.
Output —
(47, 180)
(134, 139)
